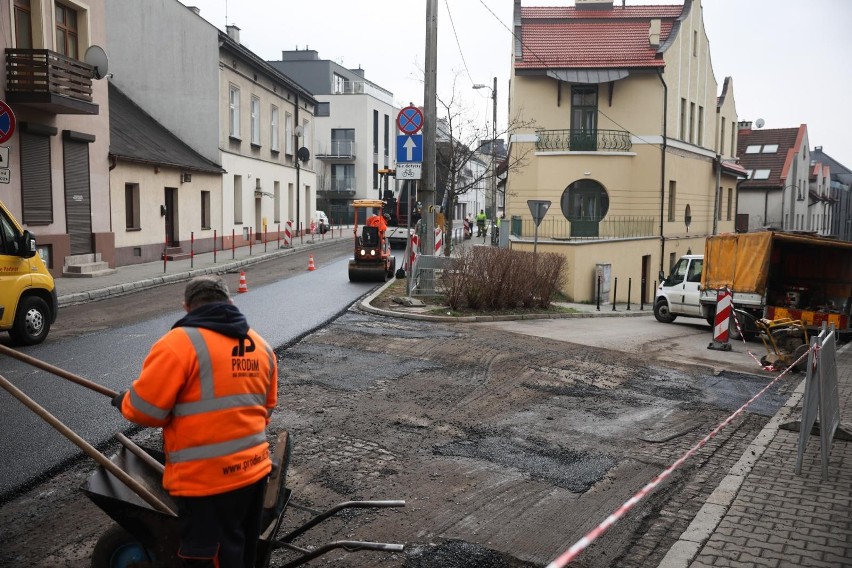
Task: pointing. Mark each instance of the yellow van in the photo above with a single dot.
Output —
(28, 301)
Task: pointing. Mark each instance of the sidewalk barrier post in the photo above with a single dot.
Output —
(264, 238)
(192, 249)
(279, 235)
(614, 292)
(598, 295)
(724, 305)
(214, 246)
(165, 246)
(251, 238)
(642, 296)
(233, 241)
(629, 291)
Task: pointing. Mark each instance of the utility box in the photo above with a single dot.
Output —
(603, 278)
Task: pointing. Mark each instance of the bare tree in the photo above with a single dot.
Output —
(460, 142)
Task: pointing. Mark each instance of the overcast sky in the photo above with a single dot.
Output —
(789, 59)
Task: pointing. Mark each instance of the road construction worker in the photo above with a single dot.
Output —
(211, 384)
(480, 223)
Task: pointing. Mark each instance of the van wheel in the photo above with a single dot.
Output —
(32, 322)
(663, 313)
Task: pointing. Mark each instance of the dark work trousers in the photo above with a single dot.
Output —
(221, 531)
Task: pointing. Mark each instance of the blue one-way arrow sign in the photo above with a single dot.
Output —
(409, 148)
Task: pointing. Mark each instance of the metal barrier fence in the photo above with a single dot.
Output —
(821, 399)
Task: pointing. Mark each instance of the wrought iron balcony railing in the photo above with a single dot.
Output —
(610, 227)
(50, 81)
(583, 141)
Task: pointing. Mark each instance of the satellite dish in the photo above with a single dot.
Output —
(97, 58)
(299, 131)
(304, 154)
(759, 122)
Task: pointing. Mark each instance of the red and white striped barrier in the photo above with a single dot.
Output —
(724, 307)
(414, 253)
(439, 241)
(288, 233)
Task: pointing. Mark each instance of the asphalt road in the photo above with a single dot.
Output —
(106, 342)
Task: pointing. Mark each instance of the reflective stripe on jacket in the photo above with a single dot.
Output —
(213, 395)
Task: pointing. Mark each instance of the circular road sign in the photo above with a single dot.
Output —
(410, 120)
(7, 122)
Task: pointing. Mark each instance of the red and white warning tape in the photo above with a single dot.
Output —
(592, 535)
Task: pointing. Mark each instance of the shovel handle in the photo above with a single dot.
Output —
(57, 371)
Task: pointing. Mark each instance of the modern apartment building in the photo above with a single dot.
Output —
(355, 130)
(633, 145)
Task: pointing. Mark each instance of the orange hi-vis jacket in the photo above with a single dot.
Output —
(213, 395)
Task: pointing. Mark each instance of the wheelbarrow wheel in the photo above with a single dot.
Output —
(118, 549)
(802, 365)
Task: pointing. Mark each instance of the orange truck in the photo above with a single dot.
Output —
(775, 275)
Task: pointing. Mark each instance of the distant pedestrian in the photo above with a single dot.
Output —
(480, 223)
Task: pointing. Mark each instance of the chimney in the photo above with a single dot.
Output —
(654, 32)
(744, 125)
(195, 9)
(233, 32)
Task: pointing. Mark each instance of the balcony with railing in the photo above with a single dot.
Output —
(583, 141)
(338, 187)
(610, 227)
(49, 81)
(338, 150)
(363, 88)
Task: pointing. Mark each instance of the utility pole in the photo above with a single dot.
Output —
(430, 124)
(494, 166)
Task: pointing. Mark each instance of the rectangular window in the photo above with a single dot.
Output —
(36, 181)
(288, 133)
(733, 145)
(672, 197)
(730, 203)
(131, 206)
(342, 177)
(682, 135)
(761, 174)
(700, 139)
(238, 200)
(584, 117)
(342, 141)
(323, 109)
(234, 112)
(273, 127)
(770, 148)
(387, 136)
(753, 149)
(255, 121)
(691, 123)
(376, 177)
(375, 132)
(276, 205)
(722, 138)
(66, 31)
(306, 138)
(205, 209)
(23, 24)
(695, 44)
(338, 84)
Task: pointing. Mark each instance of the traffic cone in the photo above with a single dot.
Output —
(311, 263)
(243, 287)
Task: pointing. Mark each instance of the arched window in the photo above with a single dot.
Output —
(584, 203)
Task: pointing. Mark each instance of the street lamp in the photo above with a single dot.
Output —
(493, 159)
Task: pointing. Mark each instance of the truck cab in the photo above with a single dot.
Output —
(28, 300)
(678, 293)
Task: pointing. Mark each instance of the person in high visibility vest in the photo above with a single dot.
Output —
(480, 223)
(210, 383)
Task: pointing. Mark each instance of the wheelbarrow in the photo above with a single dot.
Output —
(128, 488)
(786, 342)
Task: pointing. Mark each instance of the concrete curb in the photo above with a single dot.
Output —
(367, 306)
(182, 276)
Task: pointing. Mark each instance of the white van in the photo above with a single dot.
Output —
(322, 222)
(678, 293)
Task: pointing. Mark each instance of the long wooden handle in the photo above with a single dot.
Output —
(57, 371)
(102, 460)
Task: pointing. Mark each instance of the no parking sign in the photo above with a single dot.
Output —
(7, 122)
